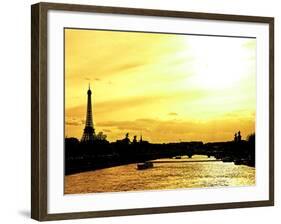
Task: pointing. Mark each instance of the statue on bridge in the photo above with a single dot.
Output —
(135, 139)
(237, 137)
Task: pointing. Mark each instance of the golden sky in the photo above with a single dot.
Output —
(167, 87)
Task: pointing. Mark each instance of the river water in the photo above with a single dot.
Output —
(197, 172)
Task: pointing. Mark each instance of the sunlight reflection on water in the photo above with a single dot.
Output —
(181, 174)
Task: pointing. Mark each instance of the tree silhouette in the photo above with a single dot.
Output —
(100, 136)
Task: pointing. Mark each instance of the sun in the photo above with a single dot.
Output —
(217, 63)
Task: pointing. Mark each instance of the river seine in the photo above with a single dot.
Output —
(197, 172)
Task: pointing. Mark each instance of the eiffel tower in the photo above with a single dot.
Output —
(89, 131)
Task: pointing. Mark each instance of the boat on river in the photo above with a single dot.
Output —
(145, 165)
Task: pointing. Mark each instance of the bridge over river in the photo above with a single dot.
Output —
(181, 160)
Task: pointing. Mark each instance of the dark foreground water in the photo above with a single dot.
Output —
(176, 173)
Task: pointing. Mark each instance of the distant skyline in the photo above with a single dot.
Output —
(165, 87)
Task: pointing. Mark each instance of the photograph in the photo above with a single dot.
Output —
(158, 111)
(138, 111)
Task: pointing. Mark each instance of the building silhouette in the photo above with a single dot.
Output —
(89, 131)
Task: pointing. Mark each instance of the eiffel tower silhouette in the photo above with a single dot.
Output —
(89, 131)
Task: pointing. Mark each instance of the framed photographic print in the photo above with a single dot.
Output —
(141, 111)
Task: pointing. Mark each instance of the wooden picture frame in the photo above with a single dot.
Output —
(39, 110)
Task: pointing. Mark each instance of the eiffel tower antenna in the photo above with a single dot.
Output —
(89, 131)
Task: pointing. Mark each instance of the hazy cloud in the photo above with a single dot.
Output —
(73, 121)
(173, 113)
(127, 66)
